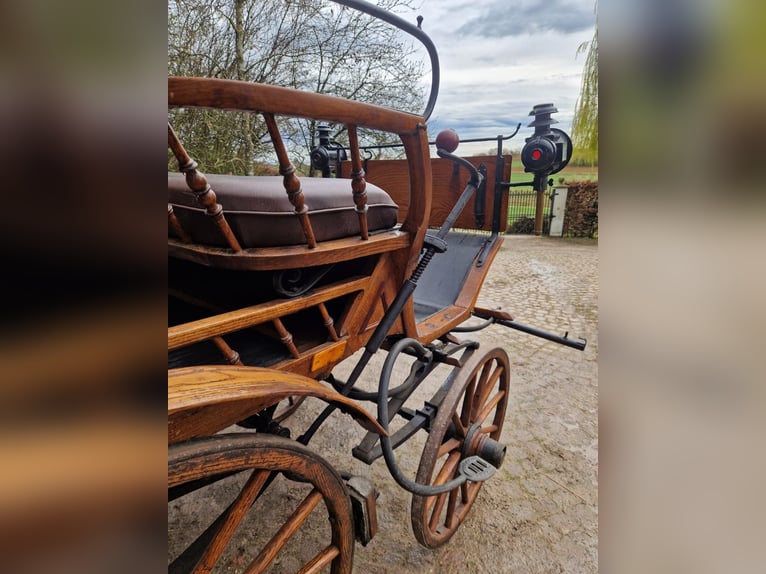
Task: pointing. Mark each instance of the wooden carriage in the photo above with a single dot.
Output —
(257, 321)
(275, 280)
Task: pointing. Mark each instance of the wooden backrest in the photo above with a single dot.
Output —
(448, 183)
(272, 101)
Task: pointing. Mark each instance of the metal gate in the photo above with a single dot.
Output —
(521, 211)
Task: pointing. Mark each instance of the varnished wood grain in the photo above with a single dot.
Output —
(366, 310)
(420, 195)
(286, 337)
(328, 321)
(231, 356)
(204, 400)
(290, 257)
(492, 312)
(223, 323)
(198, 462)
(238, 95)
(398, 249)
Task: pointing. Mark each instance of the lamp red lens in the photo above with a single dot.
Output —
(537, 154)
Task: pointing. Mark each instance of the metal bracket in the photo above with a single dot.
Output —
(428, 412)
(363, 496)
(369, 449)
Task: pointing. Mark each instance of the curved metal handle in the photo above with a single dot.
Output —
(475, 176)
(385, 442)
(411, 29)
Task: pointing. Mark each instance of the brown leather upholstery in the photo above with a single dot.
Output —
(259, 213)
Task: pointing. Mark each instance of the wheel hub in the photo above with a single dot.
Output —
(482, 445)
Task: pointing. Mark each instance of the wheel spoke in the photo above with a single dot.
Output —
(448, 469)
(206, 549)
(488, 429)
(485, 370)
(468, 398)
(484, 391)
(290, 527)
(451, 517)
(491, 404)
(459, 426)
(320, 561)
(433, 522)
(233, 515)
(448, 446)
(263, 457)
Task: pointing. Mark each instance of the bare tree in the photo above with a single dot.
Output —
(304, 44)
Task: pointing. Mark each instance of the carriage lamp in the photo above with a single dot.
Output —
(328, 154)
(545, 152)
(548, 150)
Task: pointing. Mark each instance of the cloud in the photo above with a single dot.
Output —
(489, 83)
(497, 105)
(500, 18)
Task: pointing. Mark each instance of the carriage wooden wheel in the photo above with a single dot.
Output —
(193, 465)
(473, 409)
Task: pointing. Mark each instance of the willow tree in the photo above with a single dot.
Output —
(585, 123)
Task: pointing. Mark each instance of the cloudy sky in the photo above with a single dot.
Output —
(498, 58)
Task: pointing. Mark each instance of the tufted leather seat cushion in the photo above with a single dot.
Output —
(259, 213)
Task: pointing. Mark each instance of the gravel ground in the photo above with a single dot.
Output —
(539, 513)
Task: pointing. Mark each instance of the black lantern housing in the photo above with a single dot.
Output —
(548, 150)
(328, 154)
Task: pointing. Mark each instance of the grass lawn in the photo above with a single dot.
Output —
(523, 202)
(569, 173)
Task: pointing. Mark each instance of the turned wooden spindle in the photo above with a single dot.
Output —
(176, 227)
(231, 356)
(286, 338)
(328, 322)
(197, 182)
(291, 182)
(358, 183)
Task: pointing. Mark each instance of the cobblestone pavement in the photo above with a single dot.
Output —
(539, 513)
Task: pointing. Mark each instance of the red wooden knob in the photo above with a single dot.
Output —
(447, 140)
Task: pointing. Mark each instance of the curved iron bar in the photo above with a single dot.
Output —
(411, 29)
(294, 282)
(472, 140)
(418, 372)
(476, 177)
(423, 353)
(473, 328)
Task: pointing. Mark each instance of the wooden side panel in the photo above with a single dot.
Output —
(448, 184)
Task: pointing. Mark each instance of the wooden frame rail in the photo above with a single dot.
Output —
(224, 323)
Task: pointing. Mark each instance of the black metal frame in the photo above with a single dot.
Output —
(416, 31)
